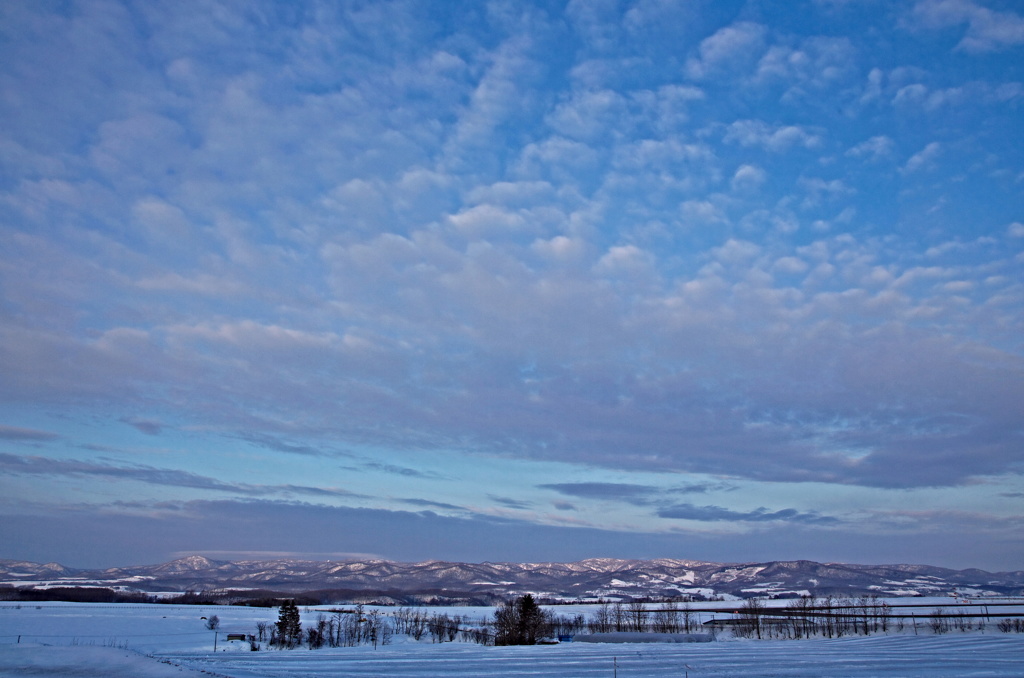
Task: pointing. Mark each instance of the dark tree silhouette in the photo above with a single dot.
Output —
(288, 626)
(519, 622)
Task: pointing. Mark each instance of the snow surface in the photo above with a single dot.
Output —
(84, 662)
(634, 637)
(155, 641)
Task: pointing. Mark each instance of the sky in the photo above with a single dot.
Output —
(730, 280)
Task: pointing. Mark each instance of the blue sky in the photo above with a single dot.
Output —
(732, 280)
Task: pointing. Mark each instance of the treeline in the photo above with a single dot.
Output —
(521, 621)
(440, 627)
(641, 617)
(247, 597)
(515, 622)
(335, 628)
(827, 616)
(1011, 625)
(99, 594)
(73, 594)
(835, 617)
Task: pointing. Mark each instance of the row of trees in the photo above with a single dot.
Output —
(641, 617)
(338, 629)
(439, 626)
(521, 621)
(516, 622)
(73, 594)
(835, 617)
(1011, 625)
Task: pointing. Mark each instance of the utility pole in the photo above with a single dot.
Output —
(214, 641)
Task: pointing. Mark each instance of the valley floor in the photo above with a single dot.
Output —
(159, 641)
(909, 656)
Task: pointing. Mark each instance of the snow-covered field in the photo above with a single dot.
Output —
(154, 641)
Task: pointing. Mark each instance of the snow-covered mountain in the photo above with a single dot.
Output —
(452, 582)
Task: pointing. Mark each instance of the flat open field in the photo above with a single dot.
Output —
(154, 641)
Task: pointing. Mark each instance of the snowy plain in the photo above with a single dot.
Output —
(155, 641)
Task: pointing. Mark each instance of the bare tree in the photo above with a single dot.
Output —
(938, 621)
(637, 614)
(601, 621)
(619, 616)
(687, 617)
(750, 617)
(666, 619)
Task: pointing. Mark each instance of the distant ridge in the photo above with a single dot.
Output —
(455, 582)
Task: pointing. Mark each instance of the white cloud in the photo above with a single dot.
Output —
(701, 212)
(649, 15)
(590, 115)
(820, 190)
(596, 20)
(625, 259)
(163, 221)
(512, 193)
(661, 155)
(748, 177)
(924, 158)
(498, 96)
(385, 225)
(817, 63)
(250, 334)
(790, 265)
(730, 49)
(911, 94)
(987, 30)
(667, 108)
(773, 138)
(873, 86)
(562, 159)
(560, 247)
(874, 148)
(735, 252)
(483, 221)
(197, 283)
(973, 93)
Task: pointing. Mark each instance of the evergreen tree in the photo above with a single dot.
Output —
(531, 621)
(519, 622)
(289, 626)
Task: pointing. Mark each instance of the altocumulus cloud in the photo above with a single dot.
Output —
(25, 465)
(617, 491)
(618, 254)
(16, 433)
(758, 515)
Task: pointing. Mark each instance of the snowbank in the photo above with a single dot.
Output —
(84, 662)
(633, 637)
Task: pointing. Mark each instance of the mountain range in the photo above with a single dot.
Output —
(388, 582)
